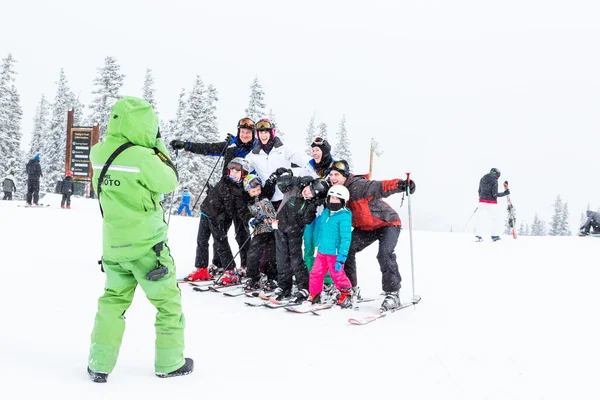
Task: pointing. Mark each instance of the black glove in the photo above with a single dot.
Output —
(402, 186)
(178, 144)
(506, 192)
(229, 138)
(282, 170)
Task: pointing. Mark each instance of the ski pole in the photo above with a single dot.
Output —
(233, 259)
(412, 263)
(173, 192)
(210, 176)
(469, 220)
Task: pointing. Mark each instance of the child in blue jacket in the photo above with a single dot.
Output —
(185, 202)
(333, 243)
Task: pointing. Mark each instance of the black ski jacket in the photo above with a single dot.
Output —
(67, 186)
(226, 199)
(34, 170)
(295, 211)
(488, 189)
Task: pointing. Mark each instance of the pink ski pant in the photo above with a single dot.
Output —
(324, 263)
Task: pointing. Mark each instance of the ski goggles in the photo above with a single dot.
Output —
(246, 123)
(252, 183)
(234, 166)
(264, 126)
(318, 141)
(339, 166)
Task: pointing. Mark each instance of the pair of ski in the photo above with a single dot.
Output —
(370, 318)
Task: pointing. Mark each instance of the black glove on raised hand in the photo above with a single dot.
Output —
(177, 144)
(229, 138)
(282, 170)
(402, 186)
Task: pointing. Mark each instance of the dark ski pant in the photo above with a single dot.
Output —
(241, 235)
(209, 227)
(66, 199)
(290, 261)
(7, 196)
(33, 190)
(386, 256)
(262, 247)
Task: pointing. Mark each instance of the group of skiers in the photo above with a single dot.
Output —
(34, 173)
(315, 204)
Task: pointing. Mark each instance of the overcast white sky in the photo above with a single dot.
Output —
(449, 88)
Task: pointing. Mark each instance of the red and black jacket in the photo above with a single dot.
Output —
(369, 211)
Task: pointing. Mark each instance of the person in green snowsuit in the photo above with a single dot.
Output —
(133, 226)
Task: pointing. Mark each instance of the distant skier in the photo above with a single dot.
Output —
(8, 186)
(592, 225)
(34, 172)
(185, 202)
(488, 206)
(66, 188)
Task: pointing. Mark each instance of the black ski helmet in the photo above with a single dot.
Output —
(495, 171)
(319, 188)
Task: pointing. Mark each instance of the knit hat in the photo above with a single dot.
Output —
(324, 145)
(36, 158)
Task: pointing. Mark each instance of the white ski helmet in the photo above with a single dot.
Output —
(242, 162)
(339, 191)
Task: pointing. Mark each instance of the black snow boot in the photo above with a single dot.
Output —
(98, 377)
(186, 369)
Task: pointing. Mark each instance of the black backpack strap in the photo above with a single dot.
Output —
(166, 160)
(107, 164)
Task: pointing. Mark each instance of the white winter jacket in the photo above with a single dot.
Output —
(280, 156)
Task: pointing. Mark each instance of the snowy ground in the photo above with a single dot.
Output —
(515, 319)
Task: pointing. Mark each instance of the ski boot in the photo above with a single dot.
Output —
(252, 284)
(391, 301)
(300, 296)
(98, 377)
(186, 369)
(345, 298)
(201, 274)
(269, 285)
(282, 295)
(230, 277)
(495, 238)
(356, 296)
(314, 298)
(215, 270)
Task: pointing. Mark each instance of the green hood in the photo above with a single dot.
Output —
(133, 120)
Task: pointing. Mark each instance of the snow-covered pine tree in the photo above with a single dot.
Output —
(538, 228)
(310, 134)
(195, 169)
(107, 83)
(256, 106)
(273, 120)
(148, 91)
(54, 145)
(555, 224)
(41, 127)
(342, 147)
(11, 157)
(564, 223)
(527, 230)
(521, 231)
(174, 129)
(322, 130)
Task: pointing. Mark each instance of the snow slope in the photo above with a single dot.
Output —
(515, 319)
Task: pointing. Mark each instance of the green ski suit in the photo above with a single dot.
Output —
(133, 224)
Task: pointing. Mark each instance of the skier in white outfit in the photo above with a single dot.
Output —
(488, 210)
(271, 154)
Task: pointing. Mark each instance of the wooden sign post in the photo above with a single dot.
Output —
(80, 140)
